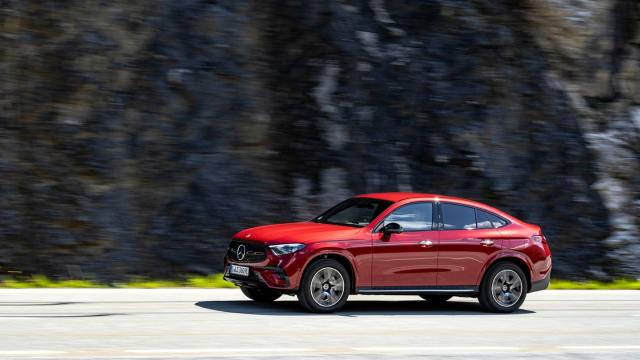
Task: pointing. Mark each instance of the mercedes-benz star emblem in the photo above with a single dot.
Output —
(241, 252)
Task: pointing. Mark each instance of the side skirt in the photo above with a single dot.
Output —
(470, 290)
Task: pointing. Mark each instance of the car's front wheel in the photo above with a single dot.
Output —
(324, 287)
(260, 294)
(504, 288)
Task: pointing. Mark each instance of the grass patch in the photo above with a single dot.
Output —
(211, 281)
(39, 281)
(621, 284)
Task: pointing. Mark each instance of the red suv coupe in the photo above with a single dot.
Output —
(429, 245)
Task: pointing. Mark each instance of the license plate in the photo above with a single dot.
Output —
(239, 270)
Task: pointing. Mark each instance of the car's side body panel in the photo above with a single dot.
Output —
(400, 260)
(462, 254)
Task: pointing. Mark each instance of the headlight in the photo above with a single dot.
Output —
(283, 249)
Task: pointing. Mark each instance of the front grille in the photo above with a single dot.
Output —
(253, 252)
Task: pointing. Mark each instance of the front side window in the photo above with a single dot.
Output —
(413, 217)
(458, 217)
(354, 212)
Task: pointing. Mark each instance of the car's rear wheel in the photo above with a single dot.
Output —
(324, 287)
(503, 288)
(436, 299)
(260, 294)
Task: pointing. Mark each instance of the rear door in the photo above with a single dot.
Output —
(466, 241)
(408, 259)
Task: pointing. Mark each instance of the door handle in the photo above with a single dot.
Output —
(486, 242)
(426, 243)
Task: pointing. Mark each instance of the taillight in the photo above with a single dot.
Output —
(539, 239)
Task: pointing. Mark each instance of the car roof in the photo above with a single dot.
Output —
(402, 196)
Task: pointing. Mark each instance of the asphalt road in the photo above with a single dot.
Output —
(200, 323)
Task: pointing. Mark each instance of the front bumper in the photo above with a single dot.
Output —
(280, 273)
(260, 276)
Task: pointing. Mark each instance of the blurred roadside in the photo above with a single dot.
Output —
(216, 281)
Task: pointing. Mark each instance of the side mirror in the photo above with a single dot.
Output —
(391, 228)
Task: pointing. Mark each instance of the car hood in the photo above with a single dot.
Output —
(299, 232)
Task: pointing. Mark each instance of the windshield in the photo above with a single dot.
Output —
(354, 212)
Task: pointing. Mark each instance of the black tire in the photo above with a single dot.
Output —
(260, 294)
(436, 299)
(305, 294)
(493, 303)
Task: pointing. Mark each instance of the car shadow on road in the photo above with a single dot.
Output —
(354, 308)
(14, 303)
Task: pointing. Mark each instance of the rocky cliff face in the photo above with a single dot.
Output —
(137, 137)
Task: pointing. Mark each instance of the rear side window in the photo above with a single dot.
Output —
(488, 220)
(413, 217)
(458, 217)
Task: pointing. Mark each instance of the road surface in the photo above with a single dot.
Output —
(221, 323)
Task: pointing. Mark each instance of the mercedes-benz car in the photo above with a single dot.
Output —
(429, 245)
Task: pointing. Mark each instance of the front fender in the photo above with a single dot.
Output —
(337, 248)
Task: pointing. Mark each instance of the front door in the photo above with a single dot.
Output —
(407, 259)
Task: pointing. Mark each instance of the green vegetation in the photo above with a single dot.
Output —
(621, 284)
(211, 281)
(39, 281)
(216, 281)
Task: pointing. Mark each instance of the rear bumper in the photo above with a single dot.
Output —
(541, 284)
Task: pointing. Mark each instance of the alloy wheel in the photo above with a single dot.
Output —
(506, 287)
(327, 287)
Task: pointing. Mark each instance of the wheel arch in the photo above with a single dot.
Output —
(518, 261)
(343, 259)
